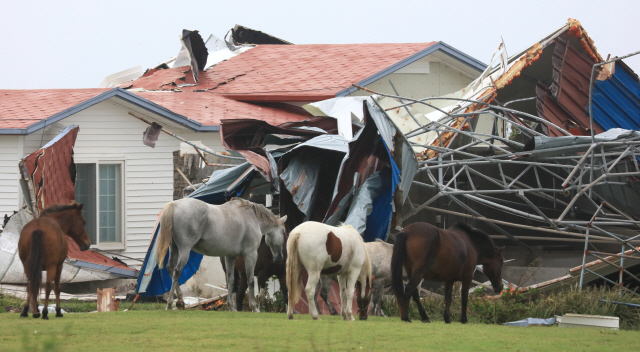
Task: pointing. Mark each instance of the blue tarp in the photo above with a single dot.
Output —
(154, 281)
(616, 101)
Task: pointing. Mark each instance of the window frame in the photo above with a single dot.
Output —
(121, 245)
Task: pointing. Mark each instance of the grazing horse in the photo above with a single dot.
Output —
(429, 253)
(265, 268)
(43, 246)
(333, 251)
(380, 257)
(230, 230)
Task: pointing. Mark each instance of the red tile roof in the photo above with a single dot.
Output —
(266, 73)
(20, 108)
(286, 72)
(208, 108)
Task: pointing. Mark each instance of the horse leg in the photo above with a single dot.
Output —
(324, 293)
(376, 307)
(352, 278)
(466, 284)
(240, 285)
(51, 274)
(282, 278)
(57, 291)
(34, 305)
(448, 290)
(25, 309)
(249, 266)
(423, 314)
(183, 257)
(342, 282)
(263, 277)
(310, 290)
(171, 266)
(231, 266)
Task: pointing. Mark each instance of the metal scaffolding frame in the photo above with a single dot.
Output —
(576, 170)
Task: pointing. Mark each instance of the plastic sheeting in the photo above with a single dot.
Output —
(532, 322)
(155, 281)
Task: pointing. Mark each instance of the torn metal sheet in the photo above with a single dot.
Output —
(301, 178)
(246, 35)
(193, 53)
(362, 203)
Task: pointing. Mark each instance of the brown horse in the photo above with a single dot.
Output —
(429, 253)
(265, 268)
(43, 246)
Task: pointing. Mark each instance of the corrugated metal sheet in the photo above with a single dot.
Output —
(570, 87)
(616, 101)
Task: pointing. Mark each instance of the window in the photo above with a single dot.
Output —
(99, 188)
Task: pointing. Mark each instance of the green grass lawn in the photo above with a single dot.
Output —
(205, 330)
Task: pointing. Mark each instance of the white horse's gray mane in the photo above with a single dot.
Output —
(262, 213)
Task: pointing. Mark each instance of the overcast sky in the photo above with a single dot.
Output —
(75, 44)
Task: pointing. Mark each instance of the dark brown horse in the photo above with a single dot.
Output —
(265, 268)
(429, 253)
(43, 246)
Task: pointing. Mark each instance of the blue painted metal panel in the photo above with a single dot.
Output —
(616, 101)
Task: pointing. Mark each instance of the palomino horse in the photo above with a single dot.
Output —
(43, 246)
(230, 230)
(429, 253)
(265, 268)
(333, 251)
(380, 257)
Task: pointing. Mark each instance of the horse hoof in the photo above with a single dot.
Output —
(24, 314)
(407, 320)
(316, 318)
(426, 320)
(256, 310)
(59, 315)
(463, 321)
(290, 316)
(44, 317)
(36, 315)
(180, 305)
(447, 321)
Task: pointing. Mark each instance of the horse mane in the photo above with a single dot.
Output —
(262, 213)
(481, 240)
(60, 207)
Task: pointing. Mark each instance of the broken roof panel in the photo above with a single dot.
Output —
(616, 101)
(292, 72)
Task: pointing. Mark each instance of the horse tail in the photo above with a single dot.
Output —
(166, 232)
(34, 263)
(294, 283)
(399, 253)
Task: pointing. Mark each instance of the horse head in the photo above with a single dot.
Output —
(77, 230)
(275, 239)
(363, 302)
(492, 268)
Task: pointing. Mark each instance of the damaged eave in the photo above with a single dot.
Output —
(113, 93)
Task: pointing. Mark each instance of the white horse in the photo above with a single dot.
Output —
(332, 251)
(230, 230)
(380, 253)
